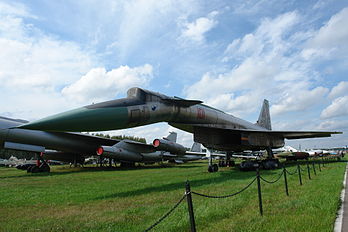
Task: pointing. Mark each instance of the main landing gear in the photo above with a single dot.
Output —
(268, 164)
(212, 167)
(227, 162)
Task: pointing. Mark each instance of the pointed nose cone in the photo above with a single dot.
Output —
(83, 119)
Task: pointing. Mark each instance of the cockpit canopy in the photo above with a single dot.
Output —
(145, 95)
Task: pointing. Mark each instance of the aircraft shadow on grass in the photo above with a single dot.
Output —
(94, 169)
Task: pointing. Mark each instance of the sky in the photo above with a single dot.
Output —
(60, 55)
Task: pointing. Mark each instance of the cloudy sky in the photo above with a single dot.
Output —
(59, 55)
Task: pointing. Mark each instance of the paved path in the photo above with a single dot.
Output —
(341, 224)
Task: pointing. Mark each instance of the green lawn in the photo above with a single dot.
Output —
(94, 199)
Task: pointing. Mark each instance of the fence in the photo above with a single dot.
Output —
(188, 192)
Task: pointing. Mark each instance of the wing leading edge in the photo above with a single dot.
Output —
(282, 134)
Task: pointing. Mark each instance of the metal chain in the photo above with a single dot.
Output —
(167, 214)
(226, 196)
(291, 173)
(272, 182)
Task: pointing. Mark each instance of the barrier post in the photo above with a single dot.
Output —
(190, 206)
(319, 166)
(299, 173)
(315, 172)
(285, 181)
(309, 172)
(259, 190)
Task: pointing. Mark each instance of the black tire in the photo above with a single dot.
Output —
(215, 167)
(210, 168)
(29, 169)
(231, 163)
(45, 168)
(35, 169)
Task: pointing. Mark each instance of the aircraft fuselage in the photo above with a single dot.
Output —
(143, 107)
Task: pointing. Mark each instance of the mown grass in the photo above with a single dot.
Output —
(94, 199)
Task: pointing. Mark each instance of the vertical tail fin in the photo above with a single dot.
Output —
(172, 136)
(265, 118)
(196, 147)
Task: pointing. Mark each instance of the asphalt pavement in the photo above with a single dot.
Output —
(341, 224)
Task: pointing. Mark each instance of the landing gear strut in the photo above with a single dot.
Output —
(227, 162)
(270, 162)
(212, 167)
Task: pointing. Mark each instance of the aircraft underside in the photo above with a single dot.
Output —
(226, 140)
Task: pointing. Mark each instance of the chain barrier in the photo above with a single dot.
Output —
(272, 182)
(189, 192)
(291, 173)
(226, 196)
(167, 214)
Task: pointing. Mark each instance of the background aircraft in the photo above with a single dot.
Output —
(211, 127)
(74, 147)
(160, 150)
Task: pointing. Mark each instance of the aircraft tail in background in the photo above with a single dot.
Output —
(196, 147)
(172, 137)
(265, 118)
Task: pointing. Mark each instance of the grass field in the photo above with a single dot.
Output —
(94, 199)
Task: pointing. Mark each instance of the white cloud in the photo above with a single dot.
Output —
(333, 125)
(196, 30)
(339, 90)
(248, 75)
(339, 107)
(334, 33)
(29, 58)
(98, 84)
(265, 70)
(301, 101)
(14, 9)
(270, 64)
(143, 21)
(268, 38)
(330, 41)
(35, 67)
(321, 4)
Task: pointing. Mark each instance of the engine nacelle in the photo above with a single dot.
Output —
(118, 153)
(169, 146)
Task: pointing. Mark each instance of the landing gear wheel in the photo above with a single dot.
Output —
(222, 163)
(45, 168)
(210, 168)
(270, 164)
(29, 169)
(215, 168)
(35, 169)
(249, 165)
(231, 163)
